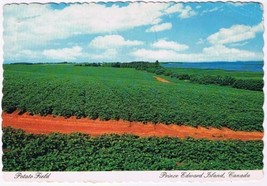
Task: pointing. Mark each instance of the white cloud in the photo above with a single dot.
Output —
(237, 3)
(239, 44)
(201, 41)
(170, 45)
(219, 52)
(160, 27)
(107, 54)
(228, 54)
(112, 41)
(22, 55)
(213, 9)
(162, 55)
(210, 10)
(63, 53)
(234, 34)
(29, 26)
(187, 12)
(33, 25)
(183, 11)
(214, 53)
(40, 21)
(177, 8)
(258, 27)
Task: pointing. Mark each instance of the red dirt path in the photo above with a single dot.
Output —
(49, 124)
(161, 79)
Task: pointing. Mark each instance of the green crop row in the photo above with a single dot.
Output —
(123, 93)
(80, 152)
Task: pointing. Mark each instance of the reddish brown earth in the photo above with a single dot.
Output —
(44, 125)
(161, 79)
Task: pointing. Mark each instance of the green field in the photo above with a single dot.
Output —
(80, 152)
(234, 74)
(129, 94)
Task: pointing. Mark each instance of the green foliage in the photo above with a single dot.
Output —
(139, 65)
(124, 93)
(80, 152)
(240, 80)
(234, 74)
(88, 64)
(251, 84)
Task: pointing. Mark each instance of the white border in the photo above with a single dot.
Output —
(121, 178)
(136, 176)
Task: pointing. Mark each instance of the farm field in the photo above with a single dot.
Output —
(213, 72)
(125, 119)
(80, 152)
(123, 93)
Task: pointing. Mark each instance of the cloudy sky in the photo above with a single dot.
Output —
(182, 32)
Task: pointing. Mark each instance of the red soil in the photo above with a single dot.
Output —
(44, 125)
(161, 79)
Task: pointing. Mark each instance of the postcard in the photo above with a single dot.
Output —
(122, 91)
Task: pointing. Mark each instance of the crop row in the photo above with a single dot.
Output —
(80, 152)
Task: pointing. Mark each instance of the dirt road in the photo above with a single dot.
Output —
(49, 124)
(161, 79)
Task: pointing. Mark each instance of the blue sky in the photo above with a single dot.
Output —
(186, 32)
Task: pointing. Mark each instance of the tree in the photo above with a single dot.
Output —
(157, 63)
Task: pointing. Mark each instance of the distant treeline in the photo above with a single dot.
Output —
(247, 84)
(139, 65)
